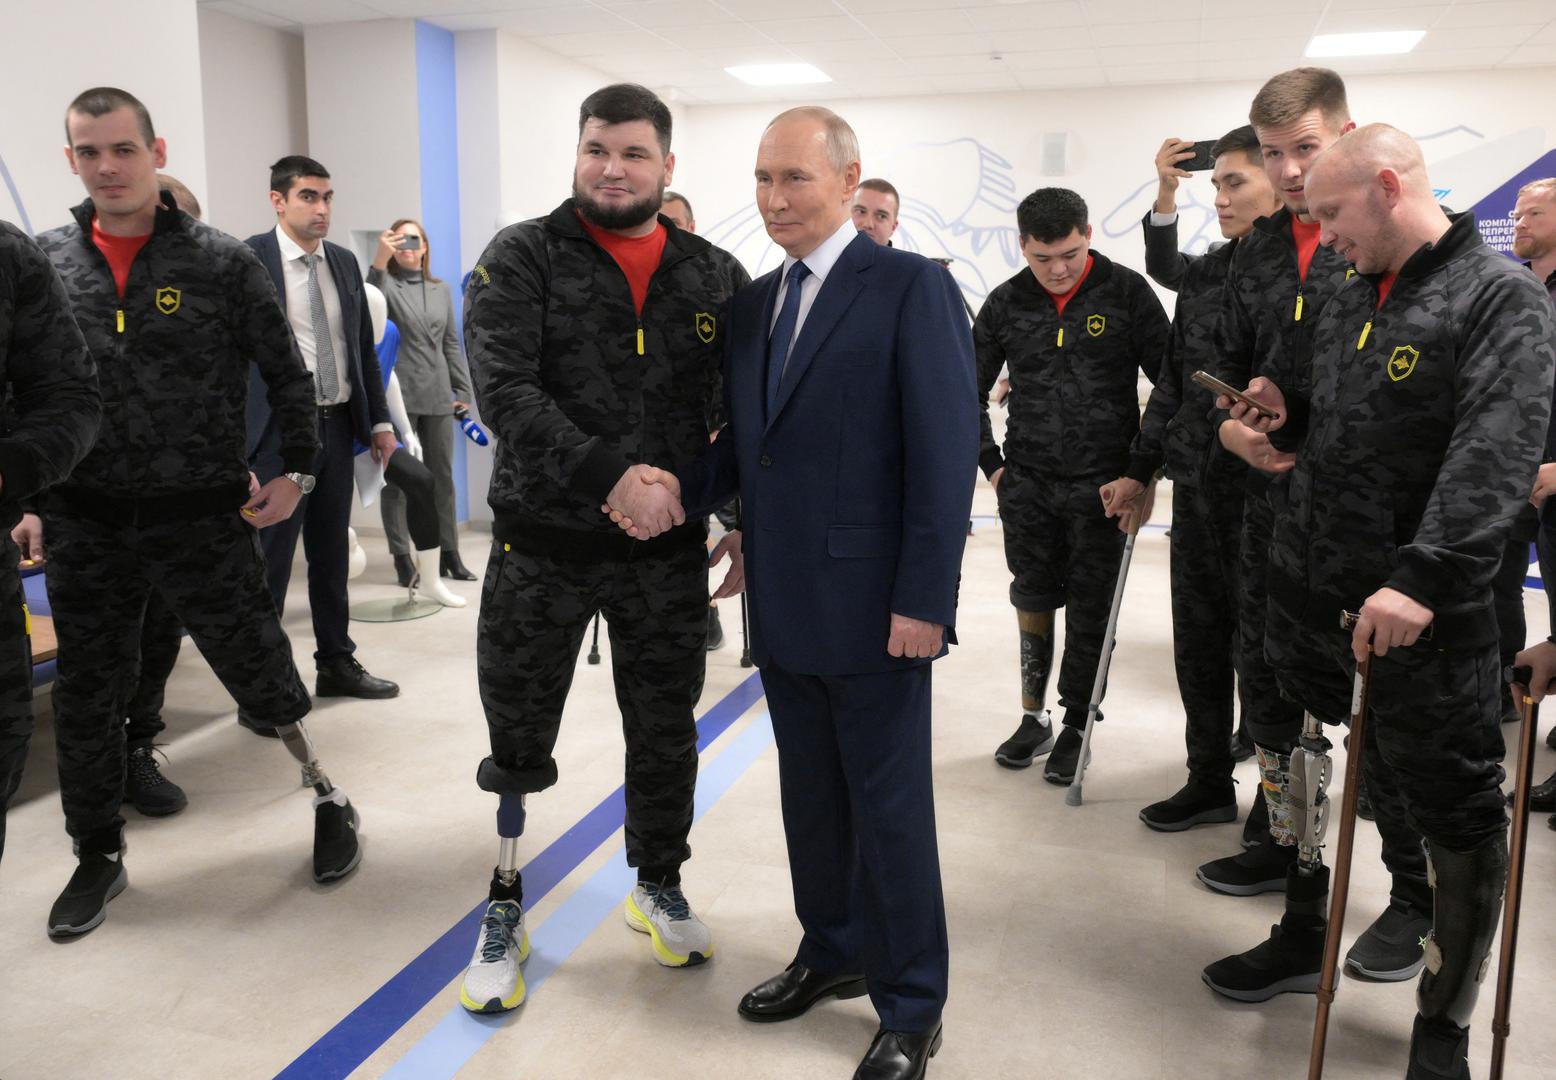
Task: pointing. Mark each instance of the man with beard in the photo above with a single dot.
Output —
(595, 335)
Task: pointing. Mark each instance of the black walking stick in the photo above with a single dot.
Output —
(745, 636)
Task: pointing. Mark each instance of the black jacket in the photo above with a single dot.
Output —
(173, 363)
(1074, 404)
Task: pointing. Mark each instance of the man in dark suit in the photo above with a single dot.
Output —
(853, 442)
(320, 288)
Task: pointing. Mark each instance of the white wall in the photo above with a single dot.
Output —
(963, 162)
(256, 110)
(53, 52)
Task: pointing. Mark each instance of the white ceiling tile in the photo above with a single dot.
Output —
(730, 35)
(1060, 80)
(434, 11)
(594, 44)
(1275, 12)
(671, 14)
(1475, 37)
(969, 64)
(1031, 16)
(1390, 18)
(947, 45)
(973, 84)
(1126, 55)
(1074, 37)
(1252, 69)
(759, 10)
(1460, 59)
(894, 24)
(870, 7)
(839, 52)
(250, 14)
(1029, 63)
(311, 12)
(1102, 12)
(1145, 74)
(1532, 56)
(801, 31)
(1149, 33)
(1242, 29)
(1255, 50)
(1498, 12)
(723, 58)
(575, 19)
(1546, 36)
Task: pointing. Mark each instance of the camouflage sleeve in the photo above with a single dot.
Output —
(505, 312)
(1502, 411)
(51, 379)
(937, 383)
(1232, 342)
(1149, 327)
(262, 330)
(1165, 264)
(712, 478)
(1148, 451)
(458, 370)
(990, 362)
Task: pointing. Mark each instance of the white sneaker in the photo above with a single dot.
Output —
(493, 982)
(680, 939)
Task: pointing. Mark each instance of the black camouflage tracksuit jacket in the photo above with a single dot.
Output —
(53, 406)
(1419, 440)
(173, 365)
(1074, 404)
(578, 386)
(1176, 433)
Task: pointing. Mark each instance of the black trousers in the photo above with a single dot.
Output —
(322, 519)
(1206, 648)
(535, 611)
(1507, 594)
(1274, 720)
(211, 574)
(396, 507)
(160, 637)
(15, 685)
(857, 789)
(417, 490)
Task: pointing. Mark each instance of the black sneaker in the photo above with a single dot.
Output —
(1242, 746)
(1287, 962)
(1033, 738)
(1256, 829)
(1390, 950)
(146, 789)
(1364, 808)
(335, 849)
(715, 629)
(1439, 1050)
(1194, 804)
(84, 903)
(1065, 757)
(1259, 869)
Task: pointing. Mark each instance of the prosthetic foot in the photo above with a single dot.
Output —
(335, 849)
(1035, 736)
(427, 582)
(1467, 902)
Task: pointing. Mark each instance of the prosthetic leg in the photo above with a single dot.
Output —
(1035, 736)
(493, 982)
(335, 848)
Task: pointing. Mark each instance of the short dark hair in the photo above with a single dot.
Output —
(621, 103)
(1290, 94)
(683, 200)
(1242, 140)
(884, 187)
(101, 100)
(1051, 213)
(292, 168)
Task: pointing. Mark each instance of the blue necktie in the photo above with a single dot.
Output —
(783, 334)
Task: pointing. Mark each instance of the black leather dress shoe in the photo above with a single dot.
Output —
(404, 570)
(787, 995)
(1542, 796)
(899, 1055)
(450, 566)
(344, 677)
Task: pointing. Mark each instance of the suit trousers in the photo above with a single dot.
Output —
(857, 790)
(322, 517)
(437, 447)
(210, 572)
(15, 690)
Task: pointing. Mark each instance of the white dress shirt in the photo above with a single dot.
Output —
(299, 312)
(820, 263)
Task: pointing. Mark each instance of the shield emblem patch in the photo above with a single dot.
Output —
(1402, 362)
(1095, 324)
(706, 327)
(168, 299)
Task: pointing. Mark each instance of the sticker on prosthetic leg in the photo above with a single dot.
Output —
(1274, 777)
(1308, 790)
(1037, 658)
(338, 797)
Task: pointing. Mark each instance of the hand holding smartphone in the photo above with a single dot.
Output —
(1215, 385)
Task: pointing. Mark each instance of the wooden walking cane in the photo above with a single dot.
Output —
(1517, 842)
(1340, 876)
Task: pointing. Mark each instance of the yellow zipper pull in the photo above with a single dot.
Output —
(1298, 317)
(640, 341)
(26, 620)
(119, 318)
(1061, 337)
(1363, 339)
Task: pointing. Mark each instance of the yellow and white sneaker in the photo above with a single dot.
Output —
(680, 939)
(493, 982)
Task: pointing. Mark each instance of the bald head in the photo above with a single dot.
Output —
(1370, 194)
(1363, 154)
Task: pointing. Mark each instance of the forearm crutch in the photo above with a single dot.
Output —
(1073, 795)
(1517, 842)
(1340, 875)
(594, 647)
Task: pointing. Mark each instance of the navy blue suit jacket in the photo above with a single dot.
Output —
(855, 493)
(367, 403)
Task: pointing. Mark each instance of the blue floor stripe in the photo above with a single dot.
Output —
(367, 1027)
(444, 1050)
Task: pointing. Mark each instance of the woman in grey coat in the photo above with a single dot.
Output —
(433, 378)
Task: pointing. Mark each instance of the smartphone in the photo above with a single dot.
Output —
(410, 243)
(1215, 385)
(1201, 161)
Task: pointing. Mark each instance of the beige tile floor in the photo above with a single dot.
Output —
(1077, 935)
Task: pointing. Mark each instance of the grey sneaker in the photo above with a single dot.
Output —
(680, 939)
(493, 982)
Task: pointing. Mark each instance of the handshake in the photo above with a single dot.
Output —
(645, 502)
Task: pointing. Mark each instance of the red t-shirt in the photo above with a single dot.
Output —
(1384, 286)
(120, 251)
(1306, 237)
(1061, 299)
(638, 256)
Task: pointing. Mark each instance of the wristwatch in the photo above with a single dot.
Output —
(303, 481)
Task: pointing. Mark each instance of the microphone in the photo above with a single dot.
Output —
(472, 430)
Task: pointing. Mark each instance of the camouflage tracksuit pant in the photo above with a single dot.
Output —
(1062, 552)
(15, 689)
(160, 637)
(535, 610)
(1206, 524)
(210, 572)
